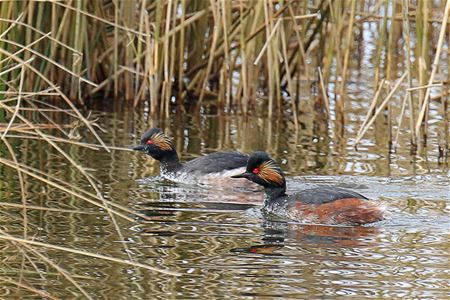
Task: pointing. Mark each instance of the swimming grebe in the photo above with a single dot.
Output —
(210, 167)
(322, 205)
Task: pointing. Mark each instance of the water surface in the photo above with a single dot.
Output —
(218, 239)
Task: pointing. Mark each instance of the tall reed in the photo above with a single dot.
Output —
(225, 54)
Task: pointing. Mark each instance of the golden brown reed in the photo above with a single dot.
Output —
(233, 56)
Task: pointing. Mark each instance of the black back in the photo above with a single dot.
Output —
(216, 162)
(323, 194)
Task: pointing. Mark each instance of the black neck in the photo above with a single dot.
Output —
(170, 163)
(274, 193)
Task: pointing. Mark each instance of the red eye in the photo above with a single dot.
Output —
(149, 142)
(255, 171)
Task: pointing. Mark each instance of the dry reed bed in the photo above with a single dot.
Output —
(234, 56)
(25, 114)
(30, 118)
(34, 251)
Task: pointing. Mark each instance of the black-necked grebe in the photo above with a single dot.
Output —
(211, 168)
(322, 205)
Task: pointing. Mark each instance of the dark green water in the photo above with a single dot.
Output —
(217, 239)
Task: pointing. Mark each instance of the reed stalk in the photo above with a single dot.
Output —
(426, 98)
(347, 46)
(6, 237)
(379, 109)
(407, 38)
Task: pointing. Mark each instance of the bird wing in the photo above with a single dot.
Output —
(324, 194)
(217, 162)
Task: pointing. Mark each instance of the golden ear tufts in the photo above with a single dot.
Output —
(162, 141)
(268, 171)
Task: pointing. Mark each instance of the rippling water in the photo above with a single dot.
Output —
(218, 239)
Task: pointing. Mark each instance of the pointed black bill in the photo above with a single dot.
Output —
(243, 175)
(138, 147)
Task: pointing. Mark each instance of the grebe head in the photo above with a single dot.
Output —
(263, 170)
(156, 144)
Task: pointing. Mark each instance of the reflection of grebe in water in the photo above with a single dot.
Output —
(276, 233)
(208, 193)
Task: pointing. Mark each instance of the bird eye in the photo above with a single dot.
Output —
(255, 171)
(149, 142)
